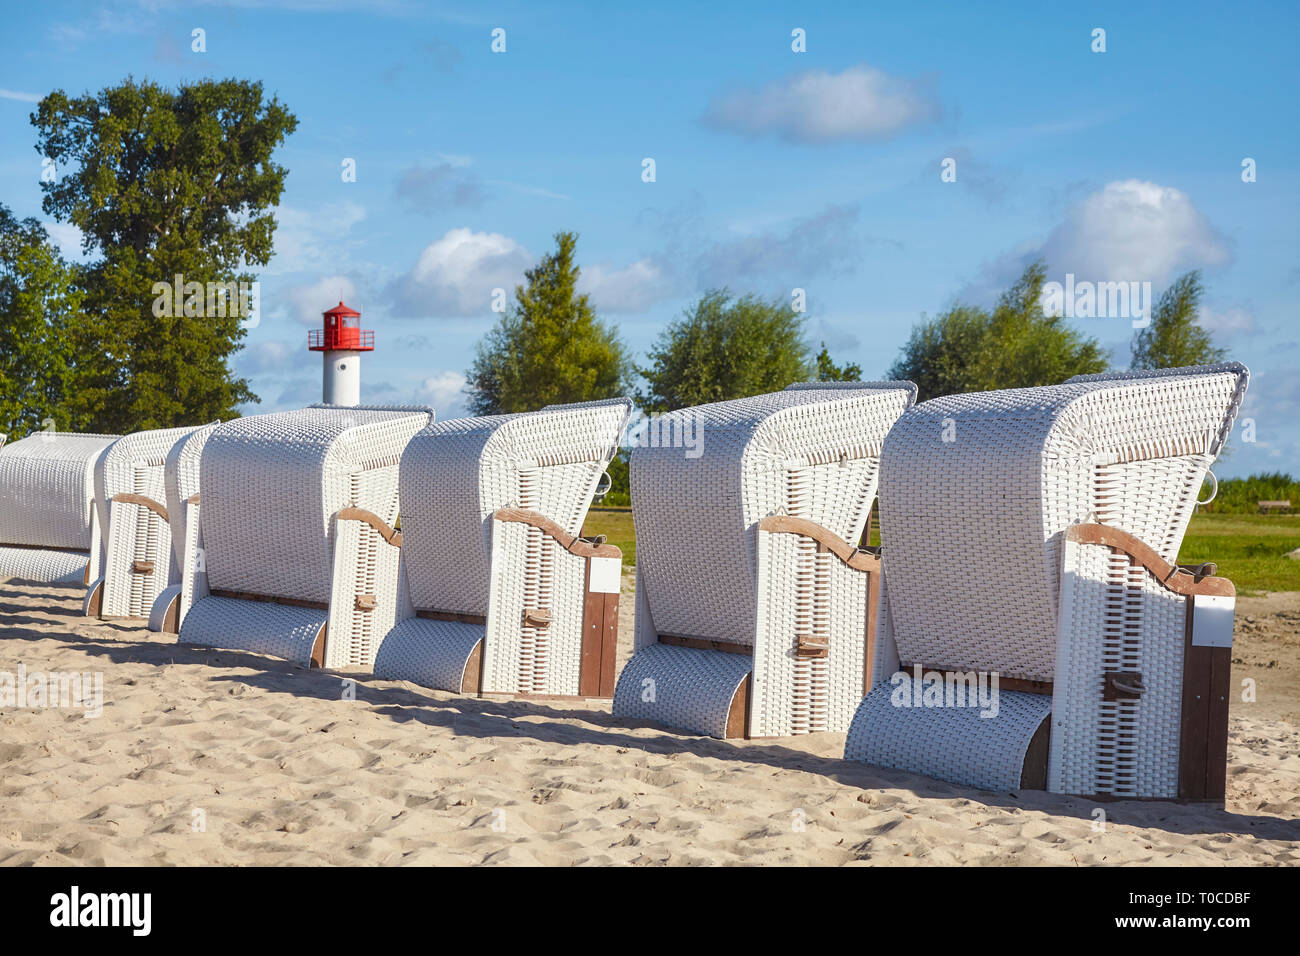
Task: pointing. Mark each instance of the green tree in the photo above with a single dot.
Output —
(828, 371)
(969, 349)
(550, 347)
(1174, 338)
(39, 317)
(163, 183)
(721, 349)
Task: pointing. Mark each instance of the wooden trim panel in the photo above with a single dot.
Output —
(574, 545)
(738, 716)
(1020, 684)
(452, 616)
(386, 531)
(705, 644)
(1203, 733)
(1033, 775)
(318, 648)
(599, 642)
(267, 599)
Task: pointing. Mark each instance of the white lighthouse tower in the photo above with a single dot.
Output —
(341, 340)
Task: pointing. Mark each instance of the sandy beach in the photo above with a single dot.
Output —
(208, 757)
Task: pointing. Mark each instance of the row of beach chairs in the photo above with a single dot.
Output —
(1029, 536)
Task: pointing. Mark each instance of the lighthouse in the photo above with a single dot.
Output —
(341, 340)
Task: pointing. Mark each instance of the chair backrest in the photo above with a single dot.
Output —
(811, 451)
(456, 473)
(271, 485)
(977, 489)
(181, 482)
(47, 489)
(135, 464)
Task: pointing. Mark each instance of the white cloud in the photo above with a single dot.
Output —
(1273, 402)
(22, 97)
(434, 189)
(306, 302)
(1132, 230)
(68, 238)
(861, 103)
(631, 289)
(455, 275)
(314, 241)
(260, 358)
(824, 243)
(445, 392)
(1228, 323)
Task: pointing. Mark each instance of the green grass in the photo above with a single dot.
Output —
(616, 525)
(1249, 549)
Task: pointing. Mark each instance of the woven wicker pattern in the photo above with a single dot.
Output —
(706, 572)
(181, 481)
(46, 489)
(42, 565)
(262, 627)
(1020, 467)
(681, 687)
(271, 487)
(134, 464)
(976, 492)
(273, 483)
(456, 559)
(428, 653)
(949, 743)
(800, 695)
(1115, 617)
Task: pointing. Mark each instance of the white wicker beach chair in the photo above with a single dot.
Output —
(48, 529)
(271, 564)
(1032, 534)
(181, 483)
(137, 530)
(754, 603)
(499, 592)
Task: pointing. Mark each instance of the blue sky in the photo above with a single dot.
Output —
(774, 170)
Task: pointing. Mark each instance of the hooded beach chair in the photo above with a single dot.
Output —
(754, 601)
(1033, 534)
(499, 594)
(48, 529)
(181, 481)
(272, 563)
(136, 532)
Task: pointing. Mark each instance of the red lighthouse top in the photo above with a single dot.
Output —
(341, 332)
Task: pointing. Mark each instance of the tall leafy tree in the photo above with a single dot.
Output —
(969, 349)
(1174, 338)
(550, 347)
(828, 371)
(163, 183)
(723, 348)
(39, 321)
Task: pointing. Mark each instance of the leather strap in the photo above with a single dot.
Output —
(1176, 579)
(855, 558)
(389, 534)
(131, 498)
(581, 547)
